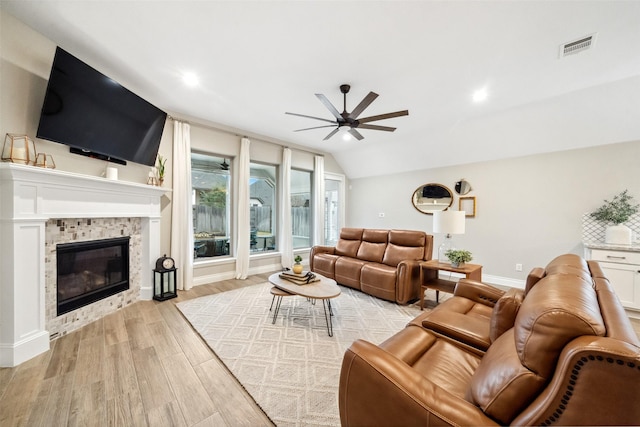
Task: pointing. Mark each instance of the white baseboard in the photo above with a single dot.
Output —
(227, 275)
(503, 281)
(15, 353)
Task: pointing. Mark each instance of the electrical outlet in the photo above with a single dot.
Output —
(518, 267)
(381, 215)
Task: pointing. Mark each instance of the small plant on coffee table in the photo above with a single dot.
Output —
(458, 257)
(297, 267)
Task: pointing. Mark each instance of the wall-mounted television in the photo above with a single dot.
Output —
(96, 116)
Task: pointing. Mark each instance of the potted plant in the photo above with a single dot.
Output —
(297, 267)
(613, 214)
(160, 168)
(458, 257)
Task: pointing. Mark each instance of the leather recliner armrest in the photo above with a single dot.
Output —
(320, 250)
(478, 292)
(377, 389)
(460, 327)
(408, 281)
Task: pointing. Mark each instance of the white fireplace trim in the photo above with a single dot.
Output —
(30, 196)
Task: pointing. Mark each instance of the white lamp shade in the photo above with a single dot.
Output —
(448, 222)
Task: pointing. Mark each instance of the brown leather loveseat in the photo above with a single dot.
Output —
(571, 358)
(382, 263)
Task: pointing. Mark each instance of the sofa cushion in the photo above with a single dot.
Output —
(374, 242)
(438, 360)
(558, 309)
(325, 264)
(348, 271)
(504, 312)
(404, 245)
(349, 242)
(501, 386)
(532, 278)
(379, 280)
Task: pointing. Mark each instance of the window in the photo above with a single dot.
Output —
(301, 208)
(211, 184)
(333, 208)
(262, 195)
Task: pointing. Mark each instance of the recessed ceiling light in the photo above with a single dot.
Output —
(480, 95)
(190, 79)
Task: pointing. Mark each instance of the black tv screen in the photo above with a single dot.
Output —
(92, 113)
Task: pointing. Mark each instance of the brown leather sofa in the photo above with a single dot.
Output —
(570, 358)
(382, 263)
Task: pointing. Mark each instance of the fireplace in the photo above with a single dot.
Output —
(90, 271)
(88, 208)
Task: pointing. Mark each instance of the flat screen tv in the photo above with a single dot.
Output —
(96, 116)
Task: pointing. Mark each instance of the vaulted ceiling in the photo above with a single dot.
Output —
(254, 61)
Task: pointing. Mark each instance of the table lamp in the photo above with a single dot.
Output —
(447, 222)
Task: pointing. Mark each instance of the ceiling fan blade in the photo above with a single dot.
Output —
(311, 117)
(333, 132)
(376, 127)
(363, 104)
(316, 127)
(384, 116)
(357, 135)
(329, 106)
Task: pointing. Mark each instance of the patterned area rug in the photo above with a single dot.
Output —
(291, 368)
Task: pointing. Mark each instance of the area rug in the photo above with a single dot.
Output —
(291, 368)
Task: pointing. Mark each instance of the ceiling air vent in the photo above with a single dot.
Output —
(577, 46)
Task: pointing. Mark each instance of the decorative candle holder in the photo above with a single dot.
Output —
(44, 160)
(19, 149)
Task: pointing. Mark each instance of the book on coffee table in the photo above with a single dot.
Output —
(303, 278)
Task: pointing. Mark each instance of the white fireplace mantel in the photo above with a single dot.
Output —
(29, 196)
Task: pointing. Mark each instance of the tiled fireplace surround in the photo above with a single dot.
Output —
(40, 208)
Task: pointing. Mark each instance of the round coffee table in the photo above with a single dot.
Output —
(324, 290)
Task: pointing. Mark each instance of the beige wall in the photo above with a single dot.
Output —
(528, 208)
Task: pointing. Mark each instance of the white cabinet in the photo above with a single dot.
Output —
(622, 268)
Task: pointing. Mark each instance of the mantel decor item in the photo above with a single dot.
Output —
(44, 160)
(458, 257)
(613, 214)
(297, 267)
(19, 149)
(448, 223)
(161, 169)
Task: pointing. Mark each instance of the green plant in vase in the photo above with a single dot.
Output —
(458, 257)
(613, 214)
(297, 267)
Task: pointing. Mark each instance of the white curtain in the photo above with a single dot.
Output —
(244, 220)
(318, 201)
(181, 209)
(285, 240)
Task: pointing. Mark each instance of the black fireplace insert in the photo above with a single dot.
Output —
(90, 271)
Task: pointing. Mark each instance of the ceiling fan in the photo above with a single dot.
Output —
(351, 119)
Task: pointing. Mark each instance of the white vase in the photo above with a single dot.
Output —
(618, 235)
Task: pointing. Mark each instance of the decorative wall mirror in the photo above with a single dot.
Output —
(430, 198)
(463, 187)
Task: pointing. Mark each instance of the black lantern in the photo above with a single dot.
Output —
(164, 279)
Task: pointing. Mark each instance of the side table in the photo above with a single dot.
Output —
(429, 277)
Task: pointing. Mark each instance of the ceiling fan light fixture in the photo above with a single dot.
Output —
(351, 119)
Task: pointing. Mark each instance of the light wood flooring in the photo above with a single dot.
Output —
(143, 365)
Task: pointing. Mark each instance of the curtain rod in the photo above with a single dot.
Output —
(170, 117)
